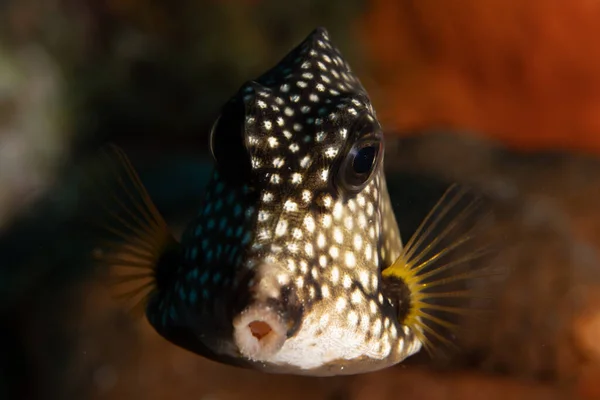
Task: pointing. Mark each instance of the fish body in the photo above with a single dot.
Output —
(282, 268)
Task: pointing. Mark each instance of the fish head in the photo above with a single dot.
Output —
(285, 255)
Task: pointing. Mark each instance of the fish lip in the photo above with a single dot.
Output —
(265, 348)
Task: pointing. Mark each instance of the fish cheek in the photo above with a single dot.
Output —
(292, 308)
(242, 296)
(180, 334)
(398, 294)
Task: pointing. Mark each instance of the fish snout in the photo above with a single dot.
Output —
(271, 315)
(259, 332)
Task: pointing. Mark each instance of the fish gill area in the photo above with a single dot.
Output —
(502, 97)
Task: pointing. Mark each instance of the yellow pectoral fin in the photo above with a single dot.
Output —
(437, 267)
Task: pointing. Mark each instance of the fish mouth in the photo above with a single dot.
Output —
(259, 332)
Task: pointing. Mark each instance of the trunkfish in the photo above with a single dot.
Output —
(294, 262)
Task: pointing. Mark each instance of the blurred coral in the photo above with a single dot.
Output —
(521, 72)
(35, 129)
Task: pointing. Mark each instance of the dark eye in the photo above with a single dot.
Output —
(364, 159)
(228, 145)
(359, 165)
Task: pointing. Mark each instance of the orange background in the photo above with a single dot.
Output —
(526, 73)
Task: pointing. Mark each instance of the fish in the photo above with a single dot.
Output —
(294, 262)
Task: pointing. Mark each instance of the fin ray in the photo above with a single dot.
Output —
(429, 269)
(121, 206)
(463, 214)
(437, 256)
(154, 214)
(466, 258)
(417, 238)
(135, 236)
(133, 292)
(147, 221)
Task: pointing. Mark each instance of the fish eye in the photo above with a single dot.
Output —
(359, 164)
(364, 159)
(227, 143)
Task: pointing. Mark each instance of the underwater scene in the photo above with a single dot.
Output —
(358, 199)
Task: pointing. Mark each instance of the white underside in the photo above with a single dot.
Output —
(306, 350)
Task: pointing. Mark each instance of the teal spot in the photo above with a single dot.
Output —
(207, 208)
(195, 273)
(230, 198)
(216, 278)
(248, 89)
(194, 252)
(193, 296)
(219, 205)
(239, 231)
(287, 70)
(205, 294)
(182, 295)
(209, 255)
(220, 187)
(310, 121)
(322, 110)
(172, 313)
(297, 60)
(247, 237)
(307, 139)
(237, 210)
(229, 232)
(198, 231)
(188, 277)
(222, 223)
(204, 278)
(210, 224)
(205, 244)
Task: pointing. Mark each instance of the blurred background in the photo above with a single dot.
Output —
(502, 95)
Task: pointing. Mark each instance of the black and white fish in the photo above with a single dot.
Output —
(294, 263)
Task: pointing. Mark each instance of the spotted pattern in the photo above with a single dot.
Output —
(324, 245)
